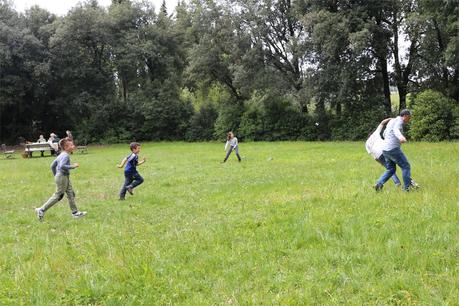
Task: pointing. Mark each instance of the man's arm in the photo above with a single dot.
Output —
(398, 131)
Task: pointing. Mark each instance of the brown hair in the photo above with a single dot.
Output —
(134, 145)
(63, 142)
(228, 136)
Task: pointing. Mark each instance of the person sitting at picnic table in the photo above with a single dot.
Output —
(41, 139)
(69, 135)
(54, 142)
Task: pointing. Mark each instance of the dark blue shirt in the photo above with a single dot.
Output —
(131, 164)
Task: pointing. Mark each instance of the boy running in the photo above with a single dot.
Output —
(61, 170)
(132, 178)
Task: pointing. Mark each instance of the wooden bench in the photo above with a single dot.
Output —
(38, 147)
(7, 153)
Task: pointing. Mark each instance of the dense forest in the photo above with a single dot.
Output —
(266, 69)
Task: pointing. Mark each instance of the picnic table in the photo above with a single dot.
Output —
(38, 147)
(7, 153)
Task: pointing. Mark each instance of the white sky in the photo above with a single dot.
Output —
(61, 7)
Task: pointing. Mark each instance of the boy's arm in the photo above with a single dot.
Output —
(142, 161)
(54, 166)
(123, 162)
(65, 163)
(226, 145)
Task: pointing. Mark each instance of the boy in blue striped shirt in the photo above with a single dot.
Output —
(132, 178)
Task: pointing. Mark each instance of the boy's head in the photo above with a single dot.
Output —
(135, 147)
(66, 145)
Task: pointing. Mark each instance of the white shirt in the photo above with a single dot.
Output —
(232, 142)
(375, 144)
(393, 133)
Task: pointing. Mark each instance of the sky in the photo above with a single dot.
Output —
(61, 7)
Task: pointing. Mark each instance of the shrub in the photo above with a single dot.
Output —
(434, 117)
(202, 124)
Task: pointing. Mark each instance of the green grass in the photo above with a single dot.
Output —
(304, 227)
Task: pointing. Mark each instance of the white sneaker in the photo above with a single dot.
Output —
(414, 185)
(40, 213)
(79, 214)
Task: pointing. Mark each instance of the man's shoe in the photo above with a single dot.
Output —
(40, 213)
(378, 187)
(78, 214)
(130, 190)
(414, 185)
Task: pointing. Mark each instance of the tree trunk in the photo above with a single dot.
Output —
(402, 95)
(386, 85)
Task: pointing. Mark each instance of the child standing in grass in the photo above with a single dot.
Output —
(231, 144)
(61, 170)
(132, 178)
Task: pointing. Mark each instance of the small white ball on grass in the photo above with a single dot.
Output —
(317, 123)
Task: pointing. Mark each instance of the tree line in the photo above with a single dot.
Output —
(266, 69)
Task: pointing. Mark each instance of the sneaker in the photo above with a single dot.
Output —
(79, 214)
(378, 187)
(414, 185)
(121, 199)
(130, 190)
(40, 213)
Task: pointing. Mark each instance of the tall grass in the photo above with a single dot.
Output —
(294, 223)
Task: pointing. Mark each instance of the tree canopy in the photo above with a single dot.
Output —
(266, 69)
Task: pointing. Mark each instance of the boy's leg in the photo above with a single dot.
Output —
(228, 153)
(71, 197)
(127, 181)
(137, 181)
(61, 187)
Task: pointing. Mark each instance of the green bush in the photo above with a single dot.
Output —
(202, 124)
(229, 118)
(273, 117)
(434, 117)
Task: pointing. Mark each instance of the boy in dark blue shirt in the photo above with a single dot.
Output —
(132, 178)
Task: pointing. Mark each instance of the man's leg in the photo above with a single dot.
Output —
(394, 177)
(390, 171)
(403, 163)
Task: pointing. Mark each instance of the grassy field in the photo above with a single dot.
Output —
(294, 223)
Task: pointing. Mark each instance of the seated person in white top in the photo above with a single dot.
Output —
(374, 146)
(41, 139)
(54, 142)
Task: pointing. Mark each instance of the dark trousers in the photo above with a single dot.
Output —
(131, 180)
(229, 153)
